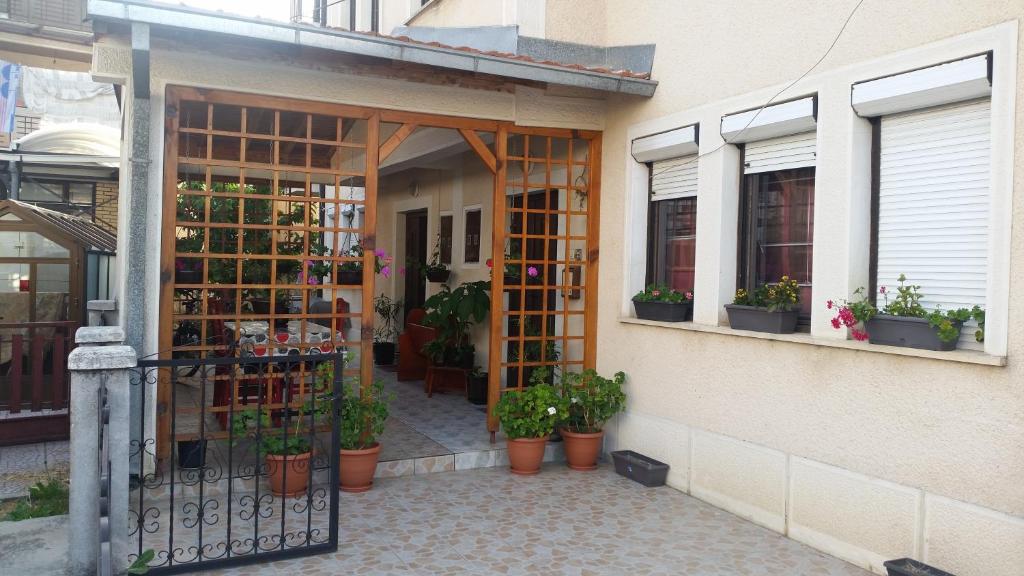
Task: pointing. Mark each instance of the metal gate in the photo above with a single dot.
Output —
(252, 472)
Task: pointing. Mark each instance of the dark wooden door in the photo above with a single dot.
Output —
(416, 256)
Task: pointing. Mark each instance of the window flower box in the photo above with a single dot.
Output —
(664, 311)
(759, 319)
(772, 308)
(663, 304)
(909, 332)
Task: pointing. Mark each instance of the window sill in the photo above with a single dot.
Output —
(964, 356)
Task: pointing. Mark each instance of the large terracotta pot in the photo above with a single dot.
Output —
(525, 455)
(297, 477)
(581, 449)
(357, 468)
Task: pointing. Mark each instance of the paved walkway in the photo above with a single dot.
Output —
(488, 521)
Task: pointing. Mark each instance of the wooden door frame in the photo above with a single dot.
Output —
(495, 161)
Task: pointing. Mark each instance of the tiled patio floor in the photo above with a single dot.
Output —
(488, 521)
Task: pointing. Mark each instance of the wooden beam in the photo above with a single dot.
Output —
(396, 140)
(480, 148)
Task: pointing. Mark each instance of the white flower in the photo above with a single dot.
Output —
(575, 400)
(551, 410)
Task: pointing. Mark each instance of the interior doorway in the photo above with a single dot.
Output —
(415, 257)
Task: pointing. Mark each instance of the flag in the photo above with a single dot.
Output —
(10, 76)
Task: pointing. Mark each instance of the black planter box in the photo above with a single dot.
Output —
(438, 275)
(383, 353)
(191, 454)
(664, 311)
(477, 392)
(907, 333)
(350, 277)
(640, 468)
(761, 320)
(908, 567)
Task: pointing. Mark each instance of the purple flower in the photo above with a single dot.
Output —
(532, 271)
(313, 281)
(380, 253)
(386, 271)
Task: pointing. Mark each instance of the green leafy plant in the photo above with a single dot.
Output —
(364, 412)
(592, 399)
(44, 499)
(782, 296)
(141, 564)
(906, 303)
(452, 313)
(662, 293)
(531, 412)
(271, 439)
(388, 310)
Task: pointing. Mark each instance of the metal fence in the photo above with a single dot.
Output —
(252, 472)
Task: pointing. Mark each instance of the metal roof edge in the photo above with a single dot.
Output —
(362, 44)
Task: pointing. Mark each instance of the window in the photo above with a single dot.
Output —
(932, 201)
(447, 221)
(777, 230)
(672, 223)
(77, 198)
(472, 245)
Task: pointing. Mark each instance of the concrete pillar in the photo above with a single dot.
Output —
(99, 362)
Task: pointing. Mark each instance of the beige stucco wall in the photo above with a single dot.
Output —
(527, 14)
(798, 437)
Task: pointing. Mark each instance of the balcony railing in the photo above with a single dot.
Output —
(62, 14)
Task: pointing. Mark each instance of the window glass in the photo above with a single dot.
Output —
(446, 238)
(17, 244)
(673, 243)
(80, 192)
(472, 236)
(780, 229)
(35, 191)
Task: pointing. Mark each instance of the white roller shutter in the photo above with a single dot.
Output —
(674, 178)
(934, 203)
(785, 152)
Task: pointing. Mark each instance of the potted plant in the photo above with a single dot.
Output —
(910, 567)
(286, 450)
(452, 313)
(192, 453)
(528, 417)
(362, 419)
(532, 353)
(772, 308)
(351, 273)
(664, 304)
(477, 387)
(591, 401)
(904, 321)
(386, 332)
(435, 270)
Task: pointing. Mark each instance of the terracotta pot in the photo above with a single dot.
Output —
(581, 449)
(298, 473)
(357, 468)
(525, 455)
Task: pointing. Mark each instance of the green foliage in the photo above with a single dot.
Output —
(782, 296)
(662, 293)
(532, 348)
(592, 399)
(452, 313)
(363, 412)
(49, 499)
(531, 412)
(141, 564)
(434, 265)
(271, 439)
(388, 310)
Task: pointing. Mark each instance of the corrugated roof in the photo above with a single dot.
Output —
(83, 231)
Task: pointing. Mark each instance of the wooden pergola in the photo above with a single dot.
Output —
(278, 172)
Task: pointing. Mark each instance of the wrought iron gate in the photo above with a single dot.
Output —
(252, 474)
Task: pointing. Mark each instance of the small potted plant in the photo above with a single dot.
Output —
(592, 401)
(286, 450)
(772, 308)
(452, 313)
(362, 419)
(528, 418)
(477, 390)
(386, 332)
(351, 273)
(904, 321)
(435, 270)
(663, 304)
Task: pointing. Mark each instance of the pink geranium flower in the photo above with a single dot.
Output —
(386, 271)
(689, 295)
(532, 271)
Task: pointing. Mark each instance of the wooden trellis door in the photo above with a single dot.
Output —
(545, 254)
